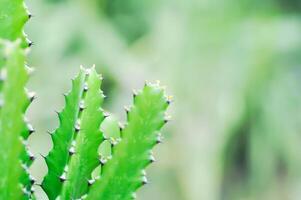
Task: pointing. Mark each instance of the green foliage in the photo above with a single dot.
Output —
(129, 17)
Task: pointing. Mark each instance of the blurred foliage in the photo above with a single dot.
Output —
(131, 18)
(233, 66)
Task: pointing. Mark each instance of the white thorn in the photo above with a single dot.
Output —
(86, 87)
(144, 180)
(91, 181)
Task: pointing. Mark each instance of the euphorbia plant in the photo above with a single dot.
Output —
(93, 156)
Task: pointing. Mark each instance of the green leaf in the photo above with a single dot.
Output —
(14, 100)
(63, 136)
(85, 155)
(124, 173)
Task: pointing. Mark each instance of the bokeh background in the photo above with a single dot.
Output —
(233, 67)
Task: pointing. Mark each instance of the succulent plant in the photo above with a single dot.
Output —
(93, 155)
(94, 158)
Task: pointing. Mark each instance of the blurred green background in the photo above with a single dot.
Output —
(233, 67)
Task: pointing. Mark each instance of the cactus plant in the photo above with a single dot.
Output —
(93, 156)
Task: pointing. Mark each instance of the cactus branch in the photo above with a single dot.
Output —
(63, 136)
(14, 100)
(124, 173)
(84, 157)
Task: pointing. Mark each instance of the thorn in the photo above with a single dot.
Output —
(32, 190)
(121, 126)
(135, 93)
(31, 96)
(72, 150)
(29, 15)
(169, 100)
(91, 181)
(82, 105)
(63, 177)
(31, 156)
(144, 180)
(159, 139)
(32, 180)
(152, 158)
(65, 95)
(106, 114)
(103, 161)
(30, 43)
(127, 109)
(30, 128)
(167, 119)
(77, 126)
(86, 87)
